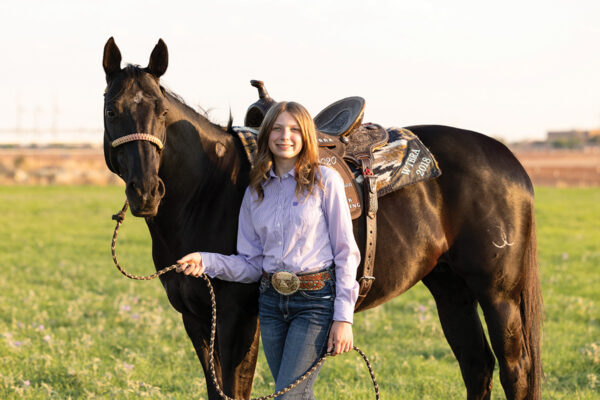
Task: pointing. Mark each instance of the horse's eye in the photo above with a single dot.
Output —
(110, 113)
(164, 113)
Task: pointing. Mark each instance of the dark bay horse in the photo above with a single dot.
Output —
(469, 235)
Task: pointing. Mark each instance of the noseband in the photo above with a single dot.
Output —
(138, 136)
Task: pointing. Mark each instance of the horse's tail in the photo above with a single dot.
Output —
(532, 313)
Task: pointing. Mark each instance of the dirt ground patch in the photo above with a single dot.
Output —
(87, 166)
(562, 168)
(55, 166)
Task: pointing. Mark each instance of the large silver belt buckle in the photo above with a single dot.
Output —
(285, 282)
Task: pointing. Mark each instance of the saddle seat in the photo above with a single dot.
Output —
(342, 117)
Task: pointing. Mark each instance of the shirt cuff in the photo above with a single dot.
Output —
(208, 264)
(343, 311)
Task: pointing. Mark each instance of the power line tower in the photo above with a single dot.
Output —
(54, 122)
(37, 113)
(19, 116)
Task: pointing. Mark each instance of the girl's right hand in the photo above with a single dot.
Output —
(191, 264)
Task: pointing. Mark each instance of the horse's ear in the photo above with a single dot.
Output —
(112, 58)
(159, 59)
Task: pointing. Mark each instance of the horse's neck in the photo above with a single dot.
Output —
(204, 172)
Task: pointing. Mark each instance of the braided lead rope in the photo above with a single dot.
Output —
(138, 136)
(120, 217)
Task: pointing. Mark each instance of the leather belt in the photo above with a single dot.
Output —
(311, 281)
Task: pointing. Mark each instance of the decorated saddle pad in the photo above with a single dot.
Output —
(248, 138)
(404, 160)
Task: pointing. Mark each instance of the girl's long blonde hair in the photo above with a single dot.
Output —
(307, 172)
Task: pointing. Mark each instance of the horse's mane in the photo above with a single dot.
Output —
(136, 71)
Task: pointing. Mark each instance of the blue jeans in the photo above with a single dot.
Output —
(294, 331)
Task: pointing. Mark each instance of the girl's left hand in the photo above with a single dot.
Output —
(191, 264)
(341, 339)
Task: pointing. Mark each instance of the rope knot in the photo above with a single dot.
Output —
(119, 217)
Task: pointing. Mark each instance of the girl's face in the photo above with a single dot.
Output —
(285, 139)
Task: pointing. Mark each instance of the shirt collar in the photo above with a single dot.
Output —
(290, 173)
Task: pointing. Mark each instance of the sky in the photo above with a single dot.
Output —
(511, 69)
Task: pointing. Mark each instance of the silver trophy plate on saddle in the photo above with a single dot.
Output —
(285, 282)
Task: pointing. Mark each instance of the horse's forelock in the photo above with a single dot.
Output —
(123, 80)
(134, 71)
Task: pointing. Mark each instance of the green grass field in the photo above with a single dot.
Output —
(72, 327)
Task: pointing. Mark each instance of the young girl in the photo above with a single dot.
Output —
(295, 236)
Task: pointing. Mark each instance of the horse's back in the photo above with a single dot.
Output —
(467, 155)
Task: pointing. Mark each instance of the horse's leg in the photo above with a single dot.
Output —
(515, 340)
(504, 325)
(234, 363)
(506, 286)
(238, 342)
(199, 333)
(457, 310)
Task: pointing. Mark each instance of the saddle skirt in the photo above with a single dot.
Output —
(403, 161)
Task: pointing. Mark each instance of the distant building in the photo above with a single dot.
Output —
(573, 134)
(594, 133)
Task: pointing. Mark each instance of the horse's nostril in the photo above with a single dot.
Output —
(160, 188)
(135, 187)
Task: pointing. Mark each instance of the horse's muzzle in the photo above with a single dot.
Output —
(145, 195)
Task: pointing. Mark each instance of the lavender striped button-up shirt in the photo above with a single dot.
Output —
(300, 236)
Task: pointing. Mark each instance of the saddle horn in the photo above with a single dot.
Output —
(257, 110)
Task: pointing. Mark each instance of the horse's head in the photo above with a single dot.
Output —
(135, 113)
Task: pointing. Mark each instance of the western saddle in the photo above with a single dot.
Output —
(343, 139)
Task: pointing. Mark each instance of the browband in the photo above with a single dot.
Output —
(138, 136)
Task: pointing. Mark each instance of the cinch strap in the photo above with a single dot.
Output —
(138, 136)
